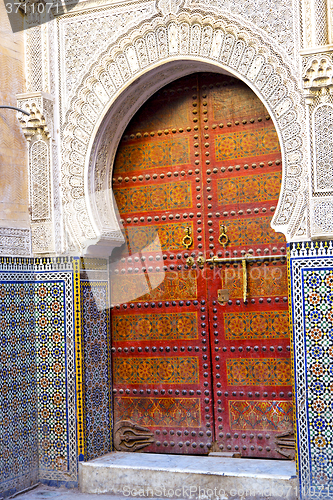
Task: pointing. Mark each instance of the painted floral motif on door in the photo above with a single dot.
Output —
(201, 349)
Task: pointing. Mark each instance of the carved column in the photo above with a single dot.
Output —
(38, 130)
(318, 90)
(315, 23)
(320, 24)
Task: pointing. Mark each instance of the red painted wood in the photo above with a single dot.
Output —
(241, 188)
(182, 163)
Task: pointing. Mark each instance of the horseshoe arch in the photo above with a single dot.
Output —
(131, 71)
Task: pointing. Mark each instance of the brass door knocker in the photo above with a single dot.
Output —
(187, 240)
(223, 238)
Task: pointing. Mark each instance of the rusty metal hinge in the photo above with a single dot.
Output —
(129, 436)
(285, 444)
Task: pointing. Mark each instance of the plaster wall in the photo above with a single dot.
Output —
(14, 198)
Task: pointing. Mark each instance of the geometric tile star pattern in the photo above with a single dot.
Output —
(318, 309)
(18, 404)
(311, 293)
(97, 373)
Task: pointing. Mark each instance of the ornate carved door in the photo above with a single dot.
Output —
(201, 353)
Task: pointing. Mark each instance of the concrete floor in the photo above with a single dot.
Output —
(47, 493)
(176, 477)
(122, 475)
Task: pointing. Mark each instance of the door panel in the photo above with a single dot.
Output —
(200, 157)
(249, 339)
(161, 362)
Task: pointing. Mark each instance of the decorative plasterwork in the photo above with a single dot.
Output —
(307, 18)
(318, 91)
(15, 242)
(169, 6)
(322, 126)
(40, 107)
(119, 82)
(318, 77)
(274, 18)
(78, 47)
(302, 232)
(38, 130)
(322, 217)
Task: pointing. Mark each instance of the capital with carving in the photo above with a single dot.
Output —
(318, 77)
(40, 120)
(38, 130)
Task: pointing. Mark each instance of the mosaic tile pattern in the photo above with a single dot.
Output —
(57, 416)
(255, 325)
(318, 312)
(40, 319)
(176, 370)
(268, 371)
(261, 415)
(164, 326)
(311, 271)
(97, 376)
(248, 231)
(146, 155)
(50, 311)
(78, 360)
(156, 238)
(244, 189)
(156, 412)
(245, 144)
(18, 385)
(174, 195)
(163, 286)
(37, 312)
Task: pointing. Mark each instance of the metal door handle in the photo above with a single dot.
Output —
(244, 260)
(223, 238)
(187, 240)
(247, 257)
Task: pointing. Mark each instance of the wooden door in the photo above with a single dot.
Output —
(201, 353)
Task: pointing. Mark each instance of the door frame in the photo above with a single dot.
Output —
(97, 116)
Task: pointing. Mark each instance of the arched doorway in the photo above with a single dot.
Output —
(200, 335)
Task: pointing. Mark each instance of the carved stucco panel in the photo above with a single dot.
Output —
(274, 18)
(84, 37)
(227, 46)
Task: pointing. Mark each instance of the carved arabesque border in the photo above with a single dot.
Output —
(318, 90)
(38, 129)
(221, 44)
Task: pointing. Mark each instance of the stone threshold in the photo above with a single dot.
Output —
(184, 477)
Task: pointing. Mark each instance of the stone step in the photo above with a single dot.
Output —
(182, 477)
